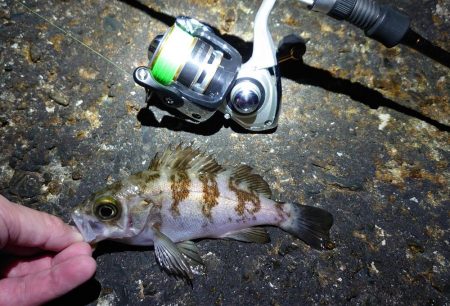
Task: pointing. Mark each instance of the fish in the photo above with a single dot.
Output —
(185, 195)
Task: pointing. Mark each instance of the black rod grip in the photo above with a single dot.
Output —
(383, 23)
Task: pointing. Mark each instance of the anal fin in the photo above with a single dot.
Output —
(251, 234)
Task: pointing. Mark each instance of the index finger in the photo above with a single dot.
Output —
(25, 227)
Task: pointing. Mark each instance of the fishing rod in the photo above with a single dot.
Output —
(384, 23)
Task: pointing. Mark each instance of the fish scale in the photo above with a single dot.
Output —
(184, 195)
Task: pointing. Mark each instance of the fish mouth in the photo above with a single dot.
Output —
(89, 228)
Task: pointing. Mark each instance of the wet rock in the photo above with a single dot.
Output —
(59, 98)
(29, 159)
(47, 177)
(22, 105)
(26, 184)
(3, 121)
(112, 90)
(35, 53)
(149, 289)
(274, 302)
(77, 174)
(54, 187)
(414, 249)
(111, 24)
(7, 97)
(287, 248)
(5, 13)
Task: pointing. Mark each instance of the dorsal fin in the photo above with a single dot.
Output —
(183, 159)
(243, 175)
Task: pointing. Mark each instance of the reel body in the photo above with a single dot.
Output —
(196, 72)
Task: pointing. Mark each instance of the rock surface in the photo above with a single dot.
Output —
(363, 133)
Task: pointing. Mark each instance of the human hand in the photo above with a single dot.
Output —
(61, 260)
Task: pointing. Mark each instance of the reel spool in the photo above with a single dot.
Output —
(180, 57)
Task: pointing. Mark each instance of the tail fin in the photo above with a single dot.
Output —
(310, 224)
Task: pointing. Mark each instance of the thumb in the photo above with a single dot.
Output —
(36, 289)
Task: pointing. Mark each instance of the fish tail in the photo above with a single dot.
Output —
(310, 224)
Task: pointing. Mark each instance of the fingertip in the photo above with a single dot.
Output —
(85, 248)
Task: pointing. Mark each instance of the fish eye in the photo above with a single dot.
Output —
(107, 208)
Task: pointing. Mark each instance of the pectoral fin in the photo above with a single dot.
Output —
(252, 234)
(189, 249)
(169, 256)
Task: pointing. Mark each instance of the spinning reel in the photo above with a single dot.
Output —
(196, 72)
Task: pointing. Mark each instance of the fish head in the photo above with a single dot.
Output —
(105, 215)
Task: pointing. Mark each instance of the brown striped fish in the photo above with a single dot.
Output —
(184, 195)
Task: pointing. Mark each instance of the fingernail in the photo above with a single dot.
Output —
(77, 235)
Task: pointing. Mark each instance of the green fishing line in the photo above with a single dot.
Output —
(173, 54)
